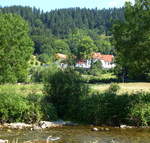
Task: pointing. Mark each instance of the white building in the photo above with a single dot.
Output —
(106, 60)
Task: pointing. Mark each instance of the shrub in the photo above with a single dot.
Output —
(37, 74)
(99, 79)
(140, 114)
(48, 109)
(40, 108)
(113, 88)
(40, 73)
(33, 108)
(12, 108)
(140, 109)
(105, 108)
(96, 68)
(64, 89)
(34, 112)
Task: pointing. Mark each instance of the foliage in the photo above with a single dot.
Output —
(131, 41)
(106, 108)
(51, 30)
(110, 109)
(15, 48)
(40, 73)
(102, 78)
(113, 88)
(48, 109)
(29, 109)
(15, 108)
(44, 58)
(42, 44)
(96, 69)
(104, 45)
(140, 114)
(41, 108)
(64, 89)
(85, 48)
(96, 108)
(61, 47)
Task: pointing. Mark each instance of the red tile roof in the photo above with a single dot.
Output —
(106, 58)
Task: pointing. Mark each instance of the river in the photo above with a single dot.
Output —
(78, 134)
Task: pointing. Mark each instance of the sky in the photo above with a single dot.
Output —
(48, 5)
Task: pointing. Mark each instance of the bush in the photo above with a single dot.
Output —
(140, 114)
(34, 112)
(16, 108)
(13, 108)
(40, 73)
(113, 88)
(48, 109)
(106, 108)
(96, 69)
(40, 108)
(111, 109)
(100, 79)
(64, 89)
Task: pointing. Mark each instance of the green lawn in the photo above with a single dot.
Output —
(26, 89)
(125, 87)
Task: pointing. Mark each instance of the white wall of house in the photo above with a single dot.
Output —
(107, 65)
(87, 64)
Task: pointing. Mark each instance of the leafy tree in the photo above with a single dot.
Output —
(15, 48)
(44, 58)
(74, 38)
(132, 40)
(96, 68)
(60, 46)
(85, 48)
(104, 45)
(43, 44)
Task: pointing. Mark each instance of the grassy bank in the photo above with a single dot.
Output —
(111, 109)
(124, 87)
(26, 89)
(21, 89)
(27, 103)
(24, 103)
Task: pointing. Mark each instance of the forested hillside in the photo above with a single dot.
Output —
(61, 30)
(64, 21)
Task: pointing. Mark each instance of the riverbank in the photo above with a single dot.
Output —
(107, 108)
(37, 126)
(59, 124)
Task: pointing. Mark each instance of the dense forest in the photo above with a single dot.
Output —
(63, 21)
(60, 29)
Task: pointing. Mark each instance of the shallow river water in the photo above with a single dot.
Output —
(78, 134)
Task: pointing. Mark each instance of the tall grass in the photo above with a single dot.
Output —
(21, 89)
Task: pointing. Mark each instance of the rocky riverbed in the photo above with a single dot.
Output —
(40, 125)
(76, 134)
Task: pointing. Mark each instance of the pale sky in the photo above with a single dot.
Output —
(48, 5)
